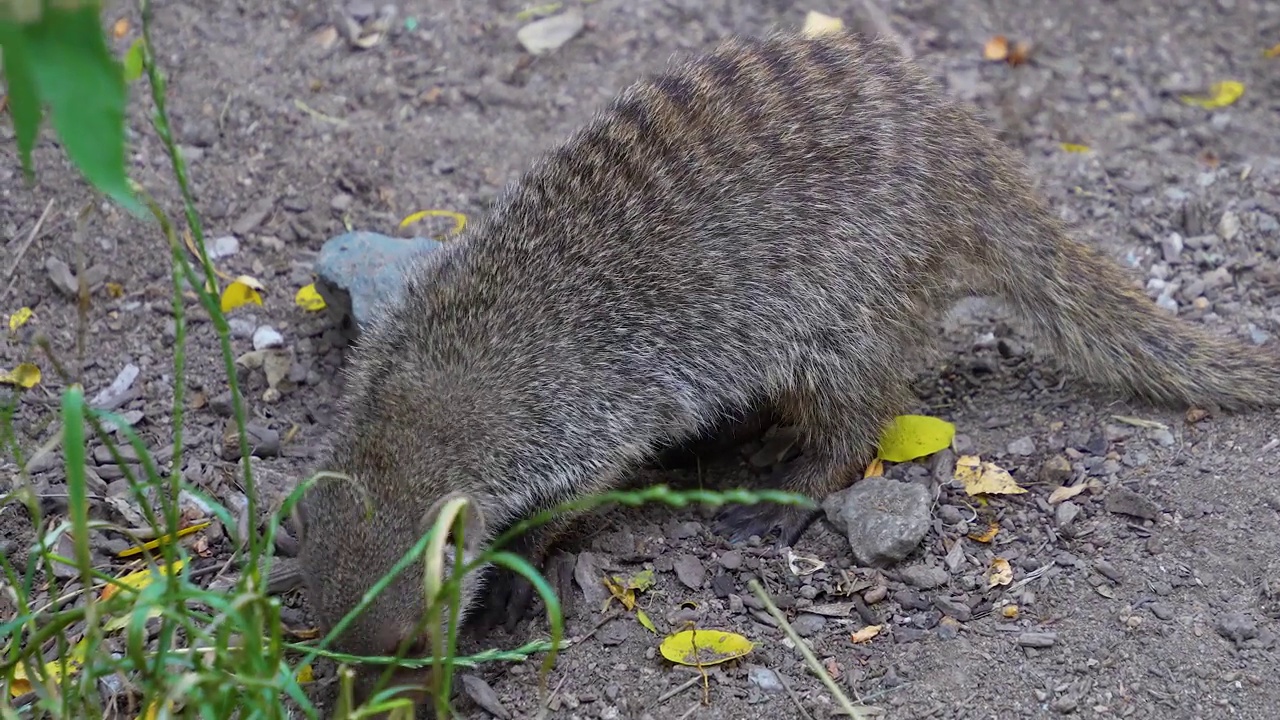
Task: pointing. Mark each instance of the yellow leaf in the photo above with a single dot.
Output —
(305, 674)
(1001, 573)
(25, 376)
(459, 220)
(115, 290)
(308, 298)
(153, 710)
(874, 469)
(1074, 148)
(985, 478)
(1221, 94)
(242, 290)
(624, 595)
(699, 648)
(537, 11)
(643, 617)
(1066, 492)
(137, 580)
(19, 318)
(817, 24)
(21, 684)
(1272, 52)
(153, 544)
(1010, 612)
(641, 581)
(986, 536)
(866, 633)
(914, 436)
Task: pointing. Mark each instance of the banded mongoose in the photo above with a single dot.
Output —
(780, 220)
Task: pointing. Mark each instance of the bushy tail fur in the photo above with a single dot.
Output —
(1104, 328)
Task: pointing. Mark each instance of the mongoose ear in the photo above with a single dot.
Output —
(473, 520)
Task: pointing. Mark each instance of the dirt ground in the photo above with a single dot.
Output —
(291, 133)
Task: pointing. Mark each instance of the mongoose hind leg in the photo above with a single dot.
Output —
(840, 426)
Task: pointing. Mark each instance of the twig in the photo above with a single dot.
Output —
(676, 691)
(26, 244)
(689, 713)
(794, 698)
(861, 713)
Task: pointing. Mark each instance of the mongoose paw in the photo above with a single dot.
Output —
(509, 596)
(787, 524)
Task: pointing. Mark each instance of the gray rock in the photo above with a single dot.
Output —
(360, 271)
(1023, 446)
(1066, 513)
(1237, 627)
(586, 571)
(1124, 501)
(883, 519)
(953, 607)
(924, 577)
(690, 571)
(765, 679)
(1037, 639)
(731, 560)
(61, 276)
(1171, 248)
(1229, 226)
(1056, 470)
(808, 624)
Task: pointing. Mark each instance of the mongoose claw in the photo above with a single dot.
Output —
(739, 522)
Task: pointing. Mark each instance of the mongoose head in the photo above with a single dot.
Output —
(350, 538)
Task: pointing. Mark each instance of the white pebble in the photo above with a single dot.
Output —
(225, 246)
(267, 337)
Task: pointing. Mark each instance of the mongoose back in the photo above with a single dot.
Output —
(779, 221)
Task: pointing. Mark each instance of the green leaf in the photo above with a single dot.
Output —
(133, 62)
(24, 100)
(84, 87)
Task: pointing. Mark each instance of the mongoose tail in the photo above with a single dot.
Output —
(1090, 313)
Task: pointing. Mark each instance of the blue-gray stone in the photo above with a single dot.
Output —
(360, 271)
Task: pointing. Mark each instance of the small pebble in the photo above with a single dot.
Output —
(1023, 446)
(1124, 501)
(1066, 513)
(267, 337)
(222, 247)
(954, 608)
(1037, 639)
(808, 624)
(731, 560)
(690, 571)
(765, 679)
(548, 34)
(924, 577)
(1056, 471)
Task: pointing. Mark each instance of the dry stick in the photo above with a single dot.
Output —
(794, 698)
(676, 691)
(26, 244)
(855, 712)
(689, 713)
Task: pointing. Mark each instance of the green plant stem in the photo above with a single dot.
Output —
(160, 120)
(842, 700)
